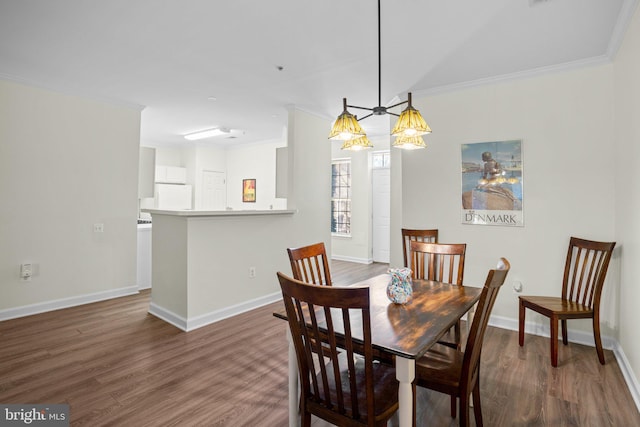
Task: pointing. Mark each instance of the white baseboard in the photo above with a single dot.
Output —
(192, 323)
(43, 307)
(352, 259)
(168, 316)
(579, 337)
(628, 374)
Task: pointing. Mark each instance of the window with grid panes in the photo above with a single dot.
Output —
(341, 197)
(381, 160)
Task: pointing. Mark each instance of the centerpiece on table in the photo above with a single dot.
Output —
(400, 287)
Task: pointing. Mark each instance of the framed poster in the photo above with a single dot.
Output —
(492, 183)
(249, 190)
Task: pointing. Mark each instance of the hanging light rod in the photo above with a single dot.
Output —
(410, 122)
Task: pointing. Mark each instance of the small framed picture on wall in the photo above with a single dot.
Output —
(248, 190)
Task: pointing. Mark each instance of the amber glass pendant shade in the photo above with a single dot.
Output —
(357, 144)
(346, 126)
(409, 142)
(410, 122)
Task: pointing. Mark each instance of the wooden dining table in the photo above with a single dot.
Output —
(405, 331)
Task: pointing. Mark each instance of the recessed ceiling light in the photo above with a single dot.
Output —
(209, 133)
(212, 98)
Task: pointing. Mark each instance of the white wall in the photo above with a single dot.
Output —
(248, 161)
(204, 275)
(309, 179)
(358, 246)
(566, 124)
(256, 161)
(204, 159)
(66, 163)
(627, 155)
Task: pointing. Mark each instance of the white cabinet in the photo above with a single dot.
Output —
(171, 175)
(143, 276)
(173, 197)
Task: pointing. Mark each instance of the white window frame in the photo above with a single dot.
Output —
(346, 200)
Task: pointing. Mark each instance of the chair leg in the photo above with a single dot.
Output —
(553, 321)
(597, 339)
(477, 411)
(306, 419)
(454, 400)
(521, 325)
(464, 410)
(457, 333)
(565, 335)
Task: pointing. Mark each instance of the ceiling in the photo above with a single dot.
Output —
(199, 64)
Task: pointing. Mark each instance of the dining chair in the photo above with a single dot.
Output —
(346, 387)
(584, 273)
(414, 235)
(457, 373)
(443, 262)
(310, 264)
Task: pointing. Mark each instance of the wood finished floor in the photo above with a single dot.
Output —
(117, 365)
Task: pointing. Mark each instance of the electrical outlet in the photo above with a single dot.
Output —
(98, 227)
(252, 272)
(26, 271)
(517, 286)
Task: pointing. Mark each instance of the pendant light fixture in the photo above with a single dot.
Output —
(346, 126)
(409, 142)
(357, 144)
(408, 129)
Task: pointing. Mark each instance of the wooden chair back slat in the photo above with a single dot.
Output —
(585, 270)
(443, 262)
(413, 235)
(310, 264)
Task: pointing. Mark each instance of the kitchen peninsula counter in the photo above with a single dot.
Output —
(193, 213)
(210, 265)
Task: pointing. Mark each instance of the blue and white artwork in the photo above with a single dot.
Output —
(492, 182)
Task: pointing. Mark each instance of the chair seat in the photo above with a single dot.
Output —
(556, 306)
(440, 369)
(385, 388)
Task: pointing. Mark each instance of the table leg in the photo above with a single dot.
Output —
(405, 374)
(294, 396)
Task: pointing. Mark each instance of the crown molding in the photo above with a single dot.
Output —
(625, 16)
(520, 75)
(72, 92)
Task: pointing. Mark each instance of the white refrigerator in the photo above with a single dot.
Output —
(173, 196)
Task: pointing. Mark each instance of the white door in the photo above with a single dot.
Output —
(214, 191)
(381, 201)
